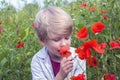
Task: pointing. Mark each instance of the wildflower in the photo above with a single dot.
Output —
(92, 61)
(0, 36)
(83, 51)
(7, 20)
(109, 77)
(64, 51)
(97, 27)
(1, 23)
(20, 44)
(93, 43)
(92, 9)
(118, 39)
(96, 46)
(99, 49)
(2, 30)
(105, 18)
(114, 45)
(78, 77)
(103, 45)
(83, 5)
(103, 11)
(82, 33)
(33, 25)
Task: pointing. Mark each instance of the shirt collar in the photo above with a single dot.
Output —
(43, 53)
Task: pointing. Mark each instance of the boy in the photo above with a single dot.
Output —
(53, 27)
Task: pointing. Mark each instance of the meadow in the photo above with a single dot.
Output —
(95, 21)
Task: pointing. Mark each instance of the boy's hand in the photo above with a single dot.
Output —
(66, 66)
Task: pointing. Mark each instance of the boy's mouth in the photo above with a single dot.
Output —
(58, 51)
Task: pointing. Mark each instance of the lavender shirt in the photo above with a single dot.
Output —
(42, 67)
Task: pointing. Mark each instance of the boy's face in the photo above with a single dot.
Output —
(55, 43)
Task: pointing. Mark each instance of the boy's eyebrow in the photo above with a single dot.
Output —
(60, 36)
(56, 38)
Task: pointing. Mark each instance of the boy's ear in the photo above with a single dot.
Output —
(41, 42)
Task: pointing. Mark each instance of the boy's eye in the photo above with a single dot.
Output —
(56, 39)
(67, 37)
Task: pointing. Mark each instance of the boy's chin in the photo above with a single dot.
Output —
(58, 54)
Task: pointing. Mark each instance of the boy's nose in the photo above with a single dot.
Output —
(63, 42)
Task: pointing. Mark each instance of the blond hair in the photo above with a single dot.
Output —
(52, 20)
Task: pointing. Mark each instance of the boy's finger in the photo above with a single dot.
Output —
(70, 58)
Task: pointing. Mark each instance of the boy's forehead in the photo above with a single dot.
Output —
(56, 35)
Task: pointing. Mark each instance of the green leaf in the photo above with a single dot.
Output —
(1, 74)
(118, 55)
(24, 34)
(80, 25)
(3, 54)
(3, 61)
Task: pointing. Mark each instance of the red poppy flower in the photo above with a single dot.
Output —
(103, 45)
(103, 11)
(0, 36)
(20, 44)
(114, 45)
(93, 43)
(105, 18)
(82, 33)
(33, 25)
(84, 54)
(118, 38)
(98, 27)
(109, 77)
(83, 51)
(92, 61)
(83, 5)
(97, 47)
(7, 20)
(1, 23)
(2, 30)
(64, 51)
(78, 77)
(92, 9)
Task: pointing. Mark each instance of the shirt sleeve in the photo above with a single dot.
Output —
(36, 70)
(80, 66)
